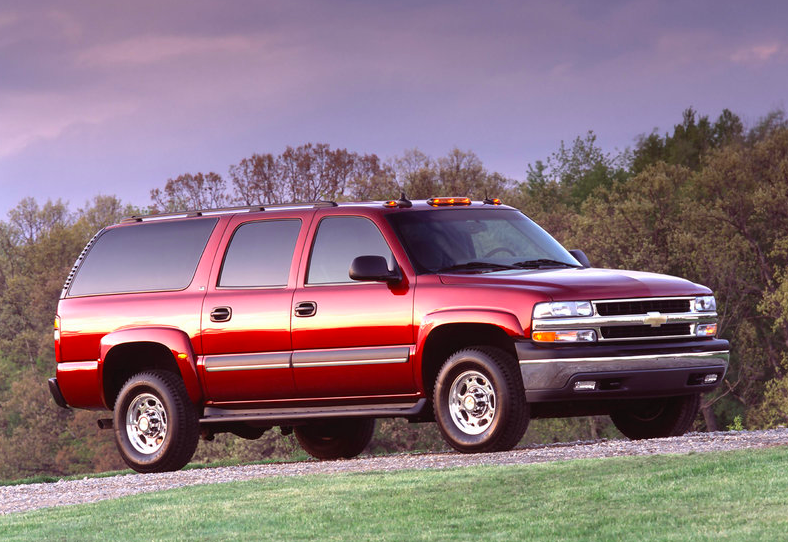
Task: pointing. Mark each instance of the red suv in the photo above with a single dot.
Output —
(322, 317)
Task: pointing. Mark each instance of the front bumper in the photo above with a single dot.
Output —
(621, 371)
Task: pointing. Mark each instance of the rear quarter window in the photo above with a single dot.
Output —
(143, 257)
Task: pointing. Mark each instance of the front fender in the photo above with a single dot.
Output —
(506, 321)
(174, 339)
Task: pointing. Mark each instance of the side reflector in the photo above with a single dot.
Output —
(447, 202)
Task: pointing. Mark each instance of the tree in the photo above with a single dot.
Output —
(691, 140)
(315, 172)
(190, 192)
(256, 180)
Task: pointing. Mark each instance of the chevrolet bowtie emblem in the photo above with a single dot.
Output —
(655, 319)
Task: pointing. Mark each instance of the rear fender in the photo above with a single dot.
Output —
(174, 339)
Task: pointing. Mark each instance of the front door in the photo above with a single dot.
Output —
(350, 339)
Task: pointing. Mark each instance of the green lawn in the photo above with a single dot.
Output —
(739, 495)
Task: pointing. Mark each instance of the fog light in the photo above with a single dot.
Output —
(585, 385)
(706, 330)
(710, 379)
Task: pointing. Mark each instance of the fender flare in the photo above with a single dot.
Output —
(174, 339)
(506, 321)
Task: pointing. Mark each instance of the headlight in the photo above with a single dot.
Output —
(704, 303)
(563, 309)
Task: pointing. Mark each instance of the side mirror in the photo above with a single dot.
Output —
(581, 257)
(373, 268)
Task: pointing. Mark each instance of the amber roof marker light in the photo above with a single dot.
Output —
(403, 202)
(449, 202)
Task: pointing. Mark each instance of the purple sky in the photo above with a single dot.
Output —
(111, 98)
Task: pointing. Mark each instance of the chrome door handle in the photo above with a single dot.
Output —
(305, 308)
(221, 314)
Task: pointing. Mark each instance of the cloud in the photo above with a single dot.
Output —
(29, 118)
(147, 50)
(756, 54)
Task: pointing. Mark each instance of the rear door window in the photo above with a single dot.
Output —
(260, 254)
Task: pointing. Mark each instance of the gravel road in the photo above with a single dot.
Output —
(33, 496)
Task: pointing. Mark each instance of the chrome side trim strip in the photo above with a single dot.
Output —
(307, 358)
(247, 362)
(356, 356)
(707, 355)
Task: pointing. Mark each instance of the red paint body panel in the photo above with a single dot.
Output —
(584, 284)
(80, 384)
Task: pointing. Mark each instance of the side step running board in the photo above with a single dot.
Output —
(278, 415)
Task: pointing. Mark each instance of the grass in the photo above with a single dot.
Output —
(740, 495)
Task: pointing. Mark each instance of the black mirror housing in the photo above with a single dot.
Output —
(372, 268)
(581, 257)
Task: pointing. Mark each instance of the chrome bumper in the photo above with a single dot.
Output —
(549, 374)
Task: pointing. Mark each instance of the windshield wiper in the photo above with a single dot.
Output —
(544, 263)
(476, 265)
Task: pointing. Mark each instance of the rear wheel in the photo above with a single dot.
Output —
(479, 401)
(654, 418)
(336, 439)
(156, 425)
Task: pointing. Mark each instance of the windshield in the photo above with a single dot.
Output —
(476, 241)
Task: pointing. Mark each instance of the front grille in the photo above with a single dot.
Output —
(634, 332)
(642, 306)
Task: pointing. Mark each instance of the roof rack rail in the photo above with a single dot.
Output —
(227, 210)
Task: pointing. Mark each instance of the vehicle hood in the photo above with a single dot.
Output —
(581, 284)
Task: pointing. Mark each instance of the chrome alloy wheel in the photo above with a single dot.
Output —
(146, 423)
(472, 402)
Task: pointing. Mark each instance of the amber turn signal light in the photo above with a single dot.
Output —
(447, 202)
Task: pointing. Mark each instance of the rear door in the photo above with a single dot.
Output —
(246, 313)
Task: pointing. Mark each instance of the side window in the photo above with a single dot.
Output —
(339, 240)
(145, 257)
(260, 254)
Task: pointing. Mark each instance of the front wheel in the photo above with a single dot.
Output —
(156, 426)
(336, 439)
(479, 401)
(655, 418)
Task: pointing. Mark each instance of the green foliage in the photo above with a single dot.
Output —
(737, 424)
(690, 141)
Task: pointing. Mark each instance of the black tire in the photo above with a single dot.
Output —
(655, 418)
(156, 425)
(479, 401)
(336, 439)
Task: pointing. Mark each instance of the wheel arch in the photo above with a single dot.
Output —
(450, 331)
(130, 351)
